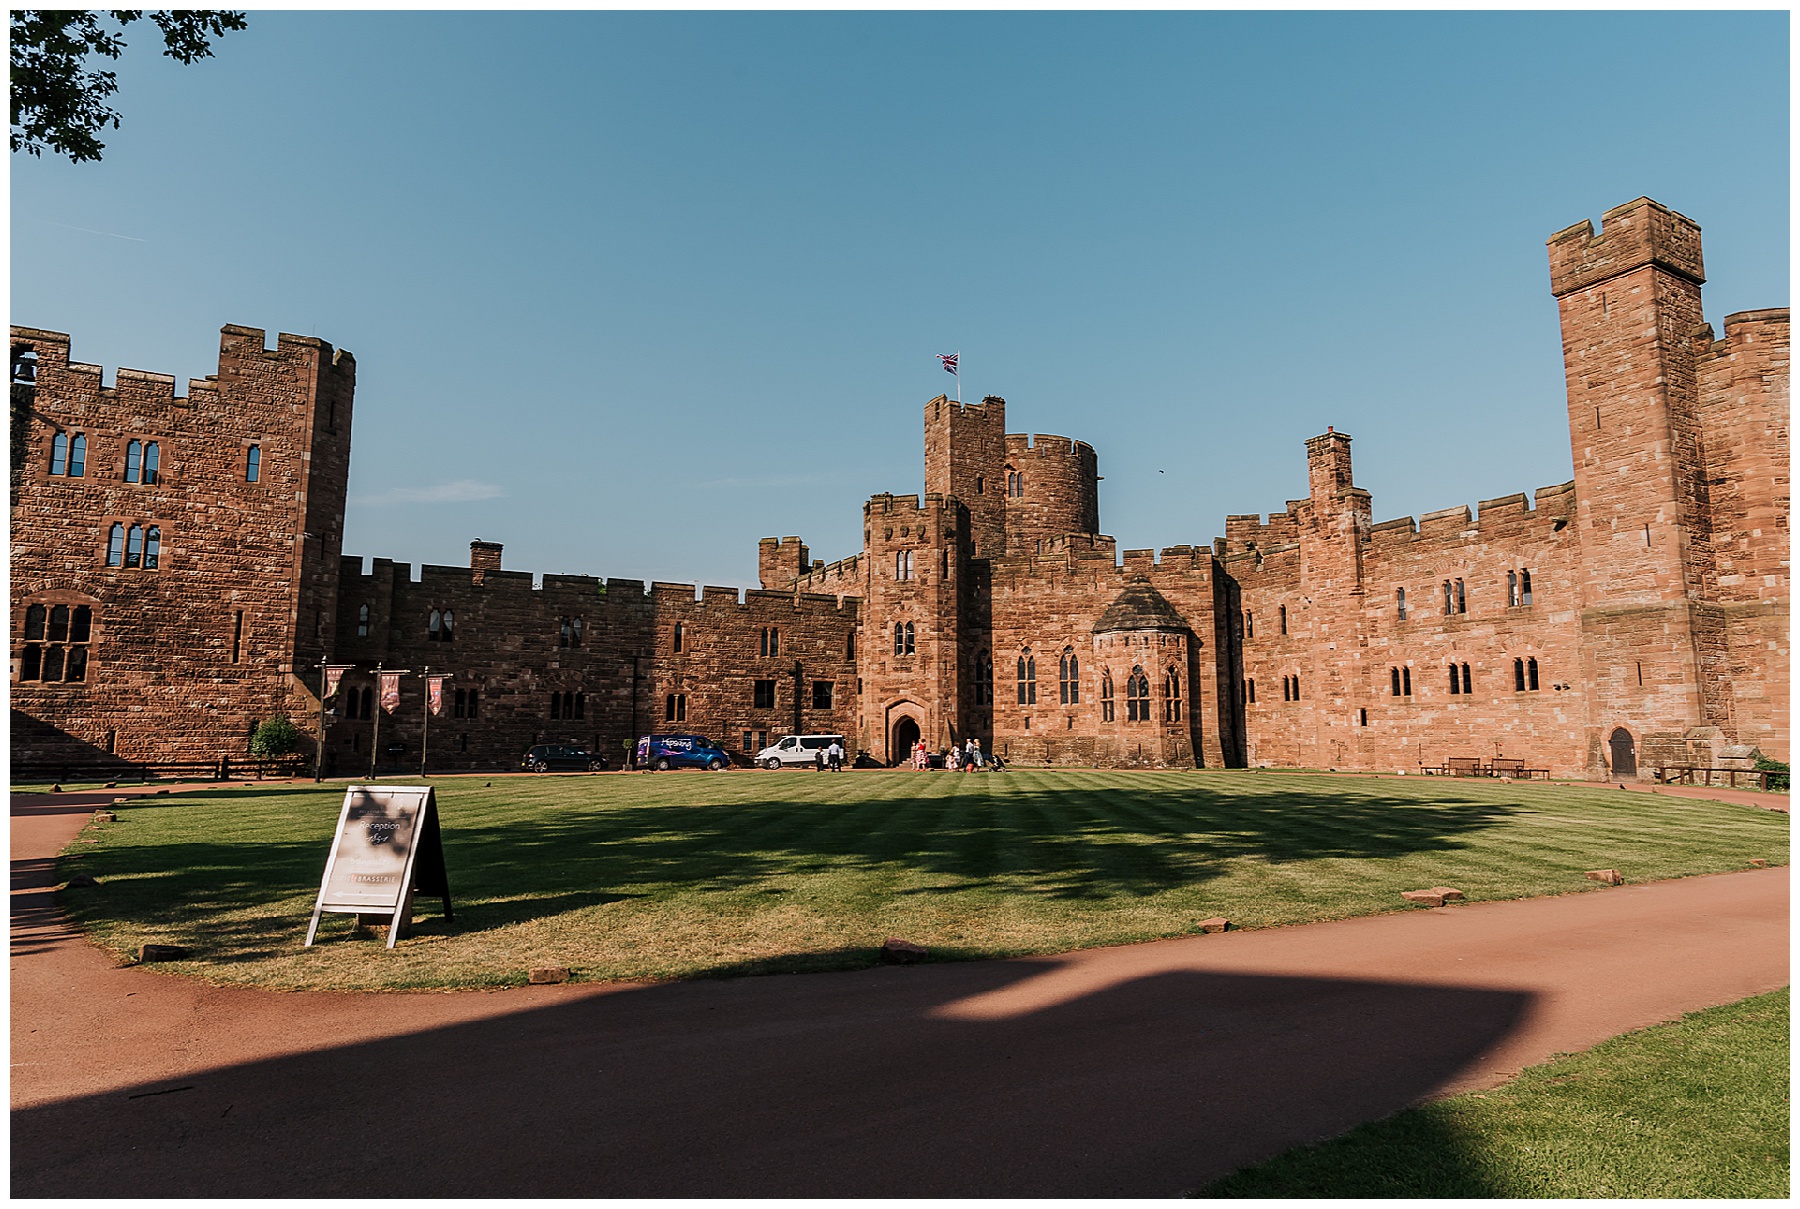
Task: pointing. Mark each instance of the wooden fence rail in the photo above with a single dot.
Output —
(1720, 778)
(225, 768)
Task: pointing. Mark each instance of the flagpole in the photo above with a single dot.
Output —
(959, 377)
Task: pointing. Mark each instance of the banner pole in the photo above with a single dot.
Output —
(375, 742)
(319, 752)
(425, 730)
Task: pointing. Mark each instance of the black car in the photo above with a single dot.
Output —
(552, 757)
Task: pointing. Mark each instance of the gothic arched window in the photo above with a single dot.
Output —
(1027, 678)
(1137, 696)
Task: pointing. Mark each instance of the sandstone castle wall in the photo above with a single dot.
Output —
(182, 658)
(1635, 616)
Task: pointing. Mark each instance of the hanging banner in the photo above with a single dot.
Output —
(434, 694)
(387, 849)
(390, 691)
(334, 673)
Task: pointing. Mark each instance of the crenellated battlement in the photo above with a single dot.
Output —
(1638, 233)
(1744, 330)
(945, 409)
(780, 560)
(841, 578)
(1045, 445)
(1515, 514)
(888, 504)
(1248, 531)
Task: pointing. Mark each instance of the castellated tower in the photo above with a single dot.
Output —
(1021, 491)
(780, 561)
(1053, 490)
(909, 654)
(965, 449)
(1656, 637)
(1339, 514)
(175, 558)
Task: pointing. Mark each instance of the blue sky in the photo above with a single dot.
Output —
(628, 291)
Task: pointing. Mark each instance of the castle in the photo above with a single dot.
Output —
(178, 575)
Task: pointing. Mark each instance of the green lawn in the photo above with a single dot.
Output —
(1697, 1108)
(674, 875)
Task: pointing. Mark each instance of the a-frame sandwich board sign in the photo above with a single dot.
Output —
(387, 849)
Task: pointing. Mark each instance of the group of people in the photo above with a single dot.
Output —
(830, 758)
(964, 757)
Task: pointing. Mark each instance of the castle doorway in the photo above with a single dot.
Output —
(906, 737)
(1624, 754)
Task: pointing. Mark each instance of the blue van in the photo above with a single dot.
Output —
(663, 752)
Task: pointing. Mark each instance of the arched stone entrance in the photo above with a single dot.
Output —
(1624, 753)
(904, 738)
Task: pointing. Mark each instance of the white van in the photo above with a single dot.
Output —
(797, 751)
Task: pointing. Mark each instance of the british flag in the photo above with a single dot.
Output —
(949, 360)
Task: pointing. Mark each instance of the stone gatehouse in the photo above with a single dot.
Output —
(178, 575)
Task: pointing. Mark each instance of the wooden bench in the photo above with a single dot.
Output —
(1465, 766)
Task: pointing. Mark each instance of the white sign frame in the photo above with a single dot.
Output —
(417, 806)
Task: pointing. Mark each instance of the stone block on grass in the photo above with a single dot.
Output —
(105, 816)
(1606, 877)
(83, 881)
(1424, 898)
(897, 952)
(545, 975)
(1217, 923)
(1757, 862)
(1449, 895)
(148, 953)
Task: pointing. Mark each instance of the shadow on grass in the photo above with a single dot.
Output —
(1420, 1152)
(1052, 841)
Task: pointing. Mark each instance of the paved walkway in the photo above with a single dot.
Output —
(1135, 1071)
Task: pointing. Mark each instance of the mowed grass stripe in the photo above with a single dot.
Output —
(685, 874)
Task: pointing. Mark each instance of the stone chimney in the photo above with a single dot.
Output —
(484, 556)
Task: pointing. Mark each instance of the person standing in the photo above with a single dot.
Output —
(834, 756)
